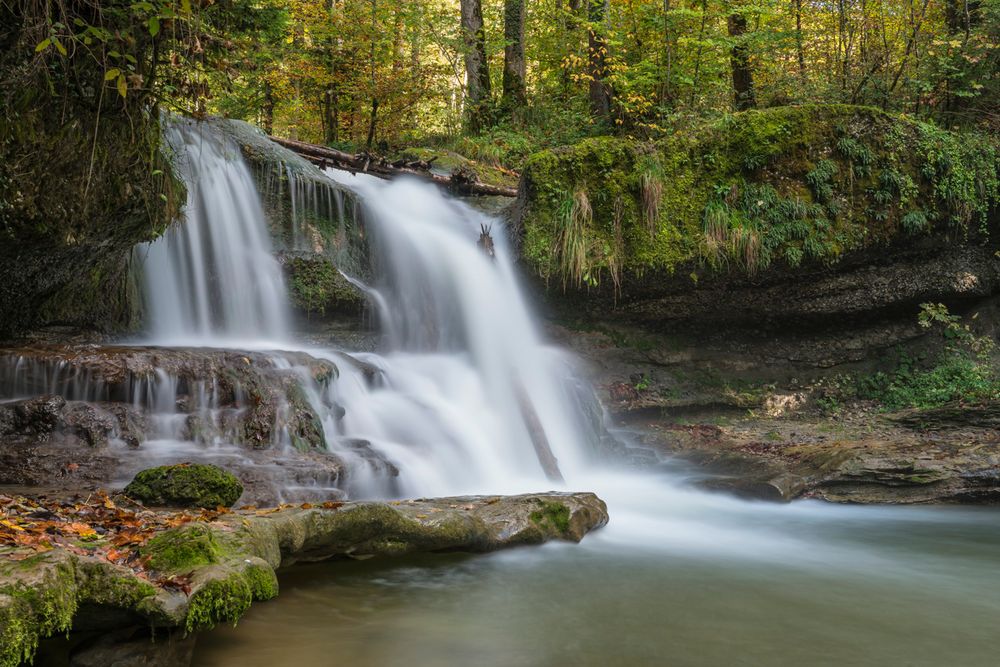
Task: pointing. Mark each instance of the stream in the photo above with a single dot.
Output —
(678, 577)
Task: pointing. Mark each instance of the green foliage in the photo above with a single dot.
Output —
(964, 371)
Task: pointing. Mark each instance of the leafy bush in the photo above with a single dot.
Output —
(963, 371)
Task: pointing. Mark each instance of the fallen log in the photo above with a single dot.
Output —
(460, 182)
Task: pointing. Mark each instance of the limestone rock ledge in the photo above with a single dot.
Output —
(223, 565)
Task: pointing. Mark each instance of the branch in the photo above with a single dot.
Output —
(461, 182)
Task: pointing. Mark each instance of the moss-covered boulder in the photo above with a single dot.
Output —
(186, 485)
(785, 188)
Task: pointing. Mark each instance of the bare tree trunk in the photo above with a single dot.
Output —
(739, 59)
(331, 120)
(600, 94)
(268, 110)
(570, 24)
(697, 57)
(666, 92)
(477, 72)
(799, 51)
(514, 95)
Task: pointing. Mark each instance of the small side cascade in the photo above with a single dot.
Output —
(213, 275)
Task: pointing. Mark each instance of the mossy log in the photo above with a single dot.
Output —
(459, 182)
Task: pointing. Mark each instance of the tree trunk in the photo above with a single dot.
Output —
(268, 110)
(330, 119)
(600, 94)
(514, 95)
(739, 59)
(799, 51)
(374, 109)
(477, 72)
(666, 92)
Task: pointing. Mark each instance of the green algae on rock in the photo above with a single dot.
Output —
(186, 485)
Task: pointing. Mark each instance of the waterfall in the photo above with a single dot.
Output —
(212, 278)
(463, 364)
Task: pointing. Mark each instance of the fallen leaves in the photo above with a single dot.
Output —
(104, 527)
(95, 526)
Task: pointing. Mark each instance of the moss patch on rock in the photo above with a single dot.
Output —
(182, 549)
(552, 514)
(317, 288)
(186, 485)
(787, 186)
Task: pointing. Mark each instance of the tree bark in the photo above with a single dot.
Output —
(367, 163)
(600, 93)
(514, 94)
(331, 120)
(477, 72)
(739, 58)
(268, 110)
(799, 51)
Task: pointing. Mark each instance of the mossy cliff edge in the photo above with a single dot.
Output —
(82, 180)
(787, 187)
(228, 563)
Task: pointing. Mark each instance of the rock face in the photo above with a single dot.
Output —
(186, 485)
(229, 562)
(857, 459)
(317, 226)
(101, 414)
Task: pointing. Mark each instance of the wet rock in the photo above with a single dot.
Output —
(871, 461)
(230, 562)
(103, 413)
(135, 646)
(186, 485)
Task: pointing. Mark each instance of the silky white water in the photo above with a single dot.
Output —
(462, 355)
(212, 278)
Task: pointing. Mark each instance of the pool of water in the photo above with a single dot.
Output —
(678, 577)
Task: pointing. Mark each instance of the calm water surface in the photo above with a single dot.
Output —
(706, 580)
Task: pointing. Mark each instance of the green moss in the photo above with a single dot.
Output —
(37, 611)
(316, 287)
(186, 485)
(448, 162)
(263, 582)
(552, 515)
(182, 549)
(101, 584)
(787, 185)
(218, 601)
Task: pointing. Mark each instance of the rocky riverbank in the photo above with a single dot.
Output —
(109, 575)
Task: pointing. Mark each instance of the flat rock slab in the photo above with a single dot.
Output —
(191, 572)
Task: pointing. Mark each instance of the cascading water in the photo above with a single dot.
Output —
(469, 388)
(213, 278)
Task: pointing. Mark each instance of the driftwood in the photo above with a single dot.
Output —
(462, 182)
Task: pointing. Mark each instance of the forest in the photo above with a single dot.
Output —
(307, 307)
(502, 79)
